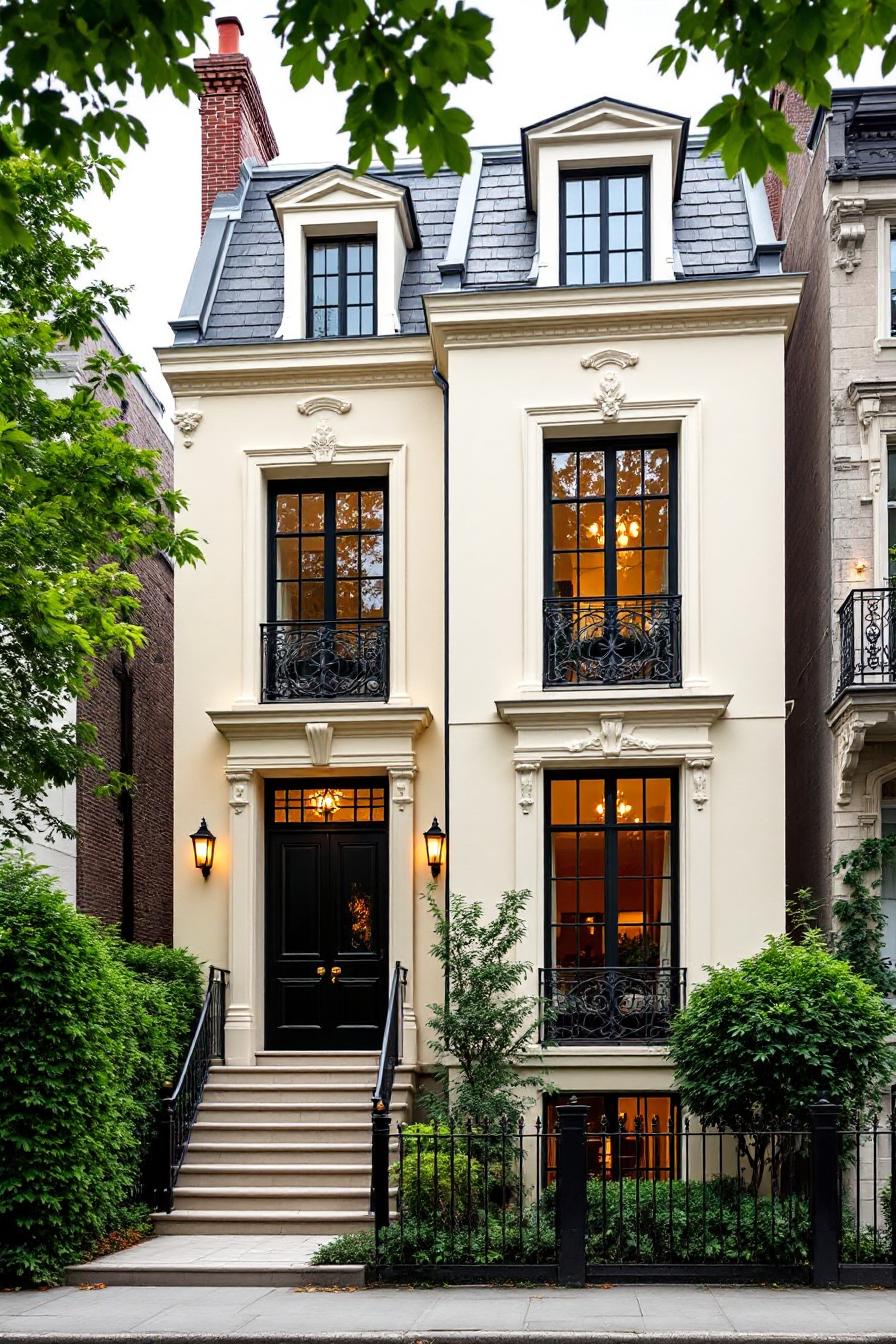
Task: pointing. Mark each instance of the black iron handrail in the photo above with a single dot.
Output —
(610, 1004)
(596, 641)
(179, 1108)
(344, 659)
(390, 1057)
(867, 638)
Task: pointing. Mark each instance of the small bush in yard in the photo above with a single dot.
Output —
(352, 1248)
(440, 1181)
(87, 1043)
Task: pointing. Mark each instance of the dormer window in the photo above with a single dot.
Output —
(342, 287)
(604, 233)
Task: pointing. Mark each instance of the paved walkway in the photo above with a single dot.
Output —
(418, 1315)
(197, 1261)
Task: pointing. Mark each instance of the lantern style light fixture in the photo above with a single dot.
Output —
(203, 848)
(434, 839)
(326, 802)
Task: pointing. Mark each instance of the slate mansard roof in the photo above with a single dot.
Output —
(236, 291)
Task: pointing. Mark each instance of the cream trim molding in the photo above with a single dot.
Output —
(459, 319)
(291, 366)
(321, 457)
(682, 418)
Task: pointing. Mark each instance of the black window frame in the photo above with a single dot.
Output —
(603, 175)
(329, 487)
(611, 872)
(609, 447)
(342, 244)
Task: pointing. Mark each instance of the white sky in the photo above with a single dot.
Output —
(151, 224)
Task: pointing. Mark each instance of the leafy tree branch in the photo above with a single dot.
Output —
(65, 73)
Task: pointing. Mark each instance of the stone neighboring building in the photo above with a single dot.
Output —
(838, 217)
(119, 867)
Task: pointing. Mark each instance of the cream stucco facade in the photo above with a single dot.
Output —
(456, 418)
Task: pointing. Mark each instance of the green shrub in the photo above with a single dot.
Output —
(87, 1044)
(428, 1193)
(352, 1248)
(758, 1043)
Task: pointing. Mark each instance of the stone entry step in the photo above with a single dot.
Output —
(218, 1261)
(282, 1149)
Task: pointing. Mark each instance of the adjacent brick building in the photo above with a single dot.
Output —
(119, 868)
(838, 216)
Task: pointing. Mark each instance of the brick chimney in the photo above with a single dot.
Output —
(782, 201)
(235, 125)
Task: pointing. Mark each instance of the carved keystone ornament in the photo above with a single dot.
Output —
(610, 394)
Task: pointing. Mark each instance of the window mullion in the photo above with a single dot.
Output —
(604, 229)
(329, 553)
(611, 895)
(610, 522)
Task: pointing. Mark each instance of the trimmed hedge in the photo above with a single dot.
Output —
(91, 1030)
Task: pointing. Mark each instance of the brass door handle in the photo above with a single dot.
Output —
(321, 970)
(335, 972)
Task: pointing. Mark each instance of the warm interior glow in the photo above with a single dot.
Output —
(326, 803)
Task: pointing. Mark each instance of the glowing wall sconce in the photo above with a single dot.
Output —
(203, 848)
(434, 839)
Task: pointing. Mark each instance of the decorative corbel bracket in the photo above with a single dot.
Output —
(239, 782)
(402, 786)
(526, 772)
(848, 231)
(850, 741)
(187, 422)
(699, 767)
(610, 394)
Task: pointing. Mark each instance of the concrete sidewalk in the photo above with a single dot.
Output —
(415, 1315)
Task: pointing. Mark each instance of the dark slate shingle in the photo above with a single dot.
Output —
(711, 223)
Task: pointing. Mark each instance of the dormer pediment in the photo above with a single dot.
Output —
(339, 189)
(604, 126)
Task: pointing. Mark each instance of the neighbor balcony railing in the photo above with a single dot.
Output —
(325, 660)
(867, 638)
(609, 1004)
(597, 641)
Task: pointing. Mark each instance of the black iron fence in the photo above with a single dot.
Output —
(597, 641)
(633, 1198)
(613, 1005)
(867, 638)
(178, 1109)
(868, 1203)
(325, 660)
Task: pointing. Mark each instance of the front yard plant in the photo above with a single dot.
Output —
(92, 1030)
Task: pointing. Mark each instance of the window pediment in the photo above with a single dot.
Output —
(340, 189)
(605, 122)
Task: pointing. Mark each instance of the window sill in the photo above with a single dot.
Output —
(885, 344)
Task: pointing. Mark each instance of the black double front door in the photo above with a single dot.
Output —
(326, 926)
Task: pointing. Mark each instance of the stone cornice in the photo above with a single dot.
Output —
(529, 316)
(657, 708)
(387, 361)
(283, 721)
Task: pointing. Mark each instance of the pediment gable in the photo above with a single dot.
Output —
(340, 189)
(605, 119)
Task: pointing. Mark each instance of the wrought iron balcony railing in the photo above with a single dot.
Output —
(595, 641)
(325, 660)
(868, 638)
(609, 1004)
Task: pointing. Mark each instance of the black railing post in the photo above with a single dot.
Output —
(379, 1159)
(572, 1177)
(166, 1146)
(825, 1118)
